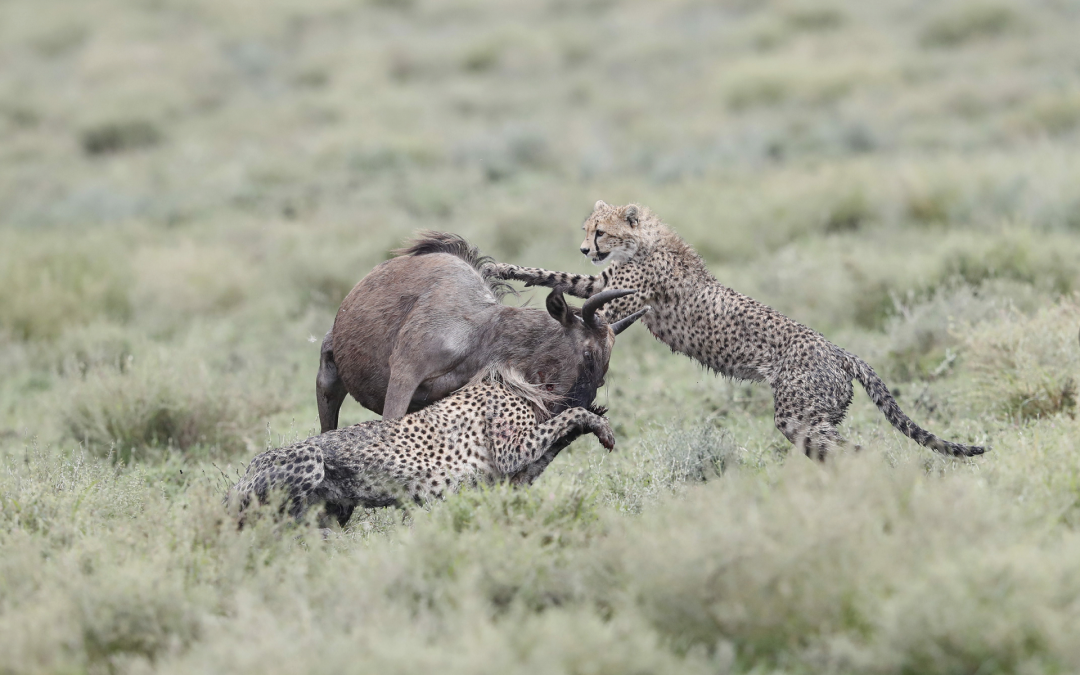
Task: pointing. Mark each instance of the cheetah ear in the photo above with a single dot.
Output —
(600, 204)
(631, 215)
(558, 309)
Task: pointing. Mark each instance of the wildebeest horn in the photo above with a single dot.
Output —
(624, 323)
(588, 310)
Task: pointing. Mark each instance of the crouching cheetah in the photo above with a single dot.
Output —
(730, 333)
(486, 431)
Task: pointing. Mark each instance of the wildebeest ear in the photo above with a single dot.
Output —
(631, 215)
(600, 204)
(558, 309)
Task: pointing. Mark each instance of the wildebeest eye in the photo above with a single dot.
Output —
(588, 356)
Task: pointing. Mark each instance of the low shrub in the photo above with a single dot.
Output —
(839, 571)
(923, 342)
(120, 136)
(47, 290)
(849, 212)
(137, 611)
(153, 403)
(1024, 367)
(970, 21)
(927, 204)
(1054, 114)
(815, 18)
(481, 57)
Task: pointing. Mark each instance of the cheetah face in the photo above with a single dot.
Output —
(611, 233)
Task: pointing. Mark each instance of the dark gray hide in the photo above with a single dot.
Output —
(423, 324)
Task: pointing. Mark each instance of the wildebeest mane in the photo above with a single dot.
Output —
(430, 241)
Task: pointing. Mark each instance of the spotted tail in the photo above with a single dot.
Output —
(884, 400)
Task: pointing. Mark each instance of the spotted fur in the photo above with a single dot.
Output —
(484, 432)
(731, 333)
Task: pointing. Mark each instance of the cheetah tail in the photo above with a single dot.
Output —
(885, 402)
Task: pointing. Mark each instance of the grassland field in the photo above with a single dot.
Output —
(188, 188)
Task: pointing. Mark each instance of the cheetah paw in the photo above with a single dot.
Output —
(605, 436)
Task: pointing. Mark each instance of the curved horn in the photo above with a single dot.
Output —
(588, 310)
(624, 323)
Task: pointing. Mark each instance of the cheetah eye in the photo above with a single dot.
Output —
(599, 233)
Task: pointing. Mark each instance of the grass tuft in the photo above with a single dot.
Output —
(47, 290)
(971, 21)
(120, 136)
(929, 204)
(1026, 368)
(811, 18)
(1054, 114)
(850, 211)
(149, 405)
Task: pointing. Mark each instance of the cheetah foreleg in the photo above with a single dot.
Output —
(577, 285)
(531, 472)
(514, 452)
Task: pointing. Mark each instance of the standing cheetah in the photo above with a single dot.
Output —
(730, 333)
(486, 431)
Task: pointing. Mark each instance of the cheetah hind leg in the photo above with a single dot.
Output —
(817, 440)
(809, 420)
(814, 439)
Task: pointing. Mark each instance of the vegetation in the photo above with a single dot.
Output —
(188, 188)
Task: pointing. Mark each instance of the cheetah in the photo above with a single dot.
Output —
(485, 432)
(726, 331)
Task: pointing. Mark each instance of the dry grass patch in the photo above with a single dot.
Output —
(47, 289)
(970, 21)
(152, 403)
(1027, 368)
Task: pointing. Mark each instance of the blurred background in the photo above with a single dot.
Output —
(188, 188)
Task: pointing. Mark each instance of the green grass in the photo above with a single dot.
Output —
(188, 189)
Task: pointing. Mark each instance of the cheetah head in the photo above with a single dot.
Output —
(612, 233)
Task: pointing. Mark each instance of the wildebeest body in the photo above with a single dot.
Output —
(425, 323)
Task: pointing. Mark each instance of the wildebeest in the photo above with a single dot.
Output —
(427, 322)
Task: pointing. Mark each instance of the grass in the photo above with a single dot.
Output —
(151, 405)
(187, 191)
(49, 289)
(1025, 367)
(971, 21)
(119, 136)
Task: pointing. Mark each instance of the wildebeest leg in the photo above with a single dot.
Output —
(338, 511)
(403, 383)
(329, 389)
(422, 353)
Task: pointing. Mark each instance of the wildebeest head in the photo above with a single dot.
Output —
(587, 338)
